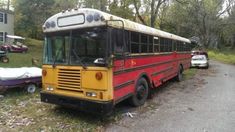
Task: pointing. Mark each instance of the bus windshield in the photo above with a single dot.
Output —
(79, 47)
(56, 48)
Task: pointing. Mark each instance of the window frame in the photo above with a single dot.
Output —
(2, 17)
(2, 37)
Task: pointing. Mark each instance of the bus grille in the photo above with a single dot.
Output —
(69, 79)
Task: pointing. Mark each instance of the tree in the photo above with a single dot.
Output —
(5, 4)
(30, 16)
(121, 8)
(228, 32)
(60, 5)
(151, 7)
(197, 18)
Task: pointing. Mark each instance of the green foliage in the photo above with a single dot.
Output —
(190, 73)
(30, 16)
(228, 32)
(187, 18)
(227, 56)
(121, 9)
(196, 18)
(60, 5)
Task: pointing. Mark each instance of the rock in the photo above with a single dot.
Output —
(1, 96)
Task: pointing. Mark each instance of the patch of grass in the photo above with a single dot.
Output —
(190, 73)
(227, 56)
(25, 59)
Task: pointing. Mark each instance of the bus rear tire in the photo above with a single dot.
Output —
(179, 76)
(141, 93)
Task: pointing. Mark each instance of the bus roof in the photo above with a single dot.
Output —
(86, 17)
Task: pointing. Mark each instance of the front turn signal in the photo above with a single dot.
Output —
(98, 75)
(44, 72)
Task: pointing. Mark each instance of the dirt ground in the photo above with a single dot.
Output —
(204, 103)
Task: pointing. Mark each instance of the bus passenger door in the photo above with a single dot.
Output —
(118, 46)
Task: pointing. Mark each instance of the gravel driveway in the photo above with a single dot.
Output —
(204, 103)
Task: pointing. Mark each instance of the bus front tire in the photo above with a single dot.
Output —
(141, 93)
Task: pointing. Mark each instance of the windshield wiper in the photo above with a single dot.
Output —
(55, 58)
(83, 65)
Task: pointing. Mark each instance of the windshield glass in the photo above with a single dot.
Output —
(85, 47)
(88, 46)
(199, 57)
(56, 49)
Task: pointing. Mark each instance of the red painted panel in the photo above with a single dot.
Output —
(164, 67)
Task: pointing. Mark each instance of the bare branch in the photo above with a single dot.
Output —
(138, 13)
(229, 5)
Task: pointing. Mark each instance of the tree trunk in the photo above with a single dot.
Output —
(8, 5)
(102, 5)
(138, 13)
(233, 41)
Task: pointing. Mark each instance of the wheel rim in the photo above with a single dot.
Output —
(141, 92)
(5, 60)
(31, 88)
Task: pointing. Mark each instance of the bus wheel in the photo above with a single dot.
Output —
(141, 93)
(179, 76)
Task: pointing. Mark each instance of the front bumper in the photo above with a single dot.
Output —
(96, 107)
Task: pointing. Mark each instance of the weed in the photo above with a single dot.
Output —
(226, 56)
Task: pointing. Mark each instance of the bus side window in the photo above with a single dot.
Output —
(127, 41)
(179, 46)
(173, 45)
(117, 40)
(170, 45)
(162, 44)
(165, 41)
(156, 44)
(135, 40)
(150, 44)
(144, 43)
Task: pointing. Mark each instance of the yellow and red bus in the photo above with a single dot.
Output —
(93, 60)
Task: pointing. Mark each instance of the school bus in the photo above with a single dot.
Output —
(93, 60)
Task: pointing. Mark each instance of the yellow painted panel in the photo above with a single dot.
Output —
(89, 80)
(51, 76)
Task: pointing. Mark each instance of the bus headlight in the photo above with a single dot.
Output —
(91, 94)
(49, 88)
